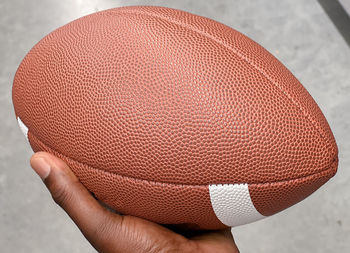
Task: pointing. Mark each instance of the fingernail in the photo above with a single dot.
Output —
(41, 167)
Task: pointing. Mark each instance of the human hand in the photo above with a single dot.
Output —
(110, 232)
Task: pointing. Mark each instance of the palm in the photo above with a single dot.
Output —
(153, 237)
(110, 232)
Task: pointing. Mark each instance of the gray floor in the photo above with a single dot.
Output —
(298, 32)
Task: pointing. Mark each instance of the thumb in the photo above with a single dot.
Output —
(64, 186)
(67, 191)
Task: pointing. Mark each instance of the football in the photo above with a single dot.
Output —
(173, 117)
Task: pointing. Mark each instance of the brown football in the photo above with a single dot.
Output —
(173, 117)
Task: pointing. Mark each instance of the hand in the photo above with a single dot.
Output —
(110, 232)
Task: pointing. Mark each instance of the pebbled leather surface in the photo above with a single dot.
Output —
(185, 205)
(271, 198)
(162, 95)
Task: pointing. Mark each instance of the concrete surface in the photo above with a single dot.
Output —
(298, 32)
(346, 5)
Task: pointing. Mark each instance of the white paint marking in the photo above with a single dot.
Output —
(23, 127)
(232, 204)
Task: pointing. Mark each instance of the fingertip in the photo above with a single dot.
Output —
(40, 166)
(47, 157)
(45, 164)
(36, 156)
(53, 161)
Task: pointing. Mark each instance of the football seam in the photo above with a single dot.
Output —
(245, 58)
(323, 171)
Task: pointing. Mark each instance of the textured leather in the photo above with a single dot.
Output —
(186, 205)
(164, 96)
(271, 198)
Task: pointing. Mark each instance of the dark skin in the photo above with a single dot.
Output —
(110, 232)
